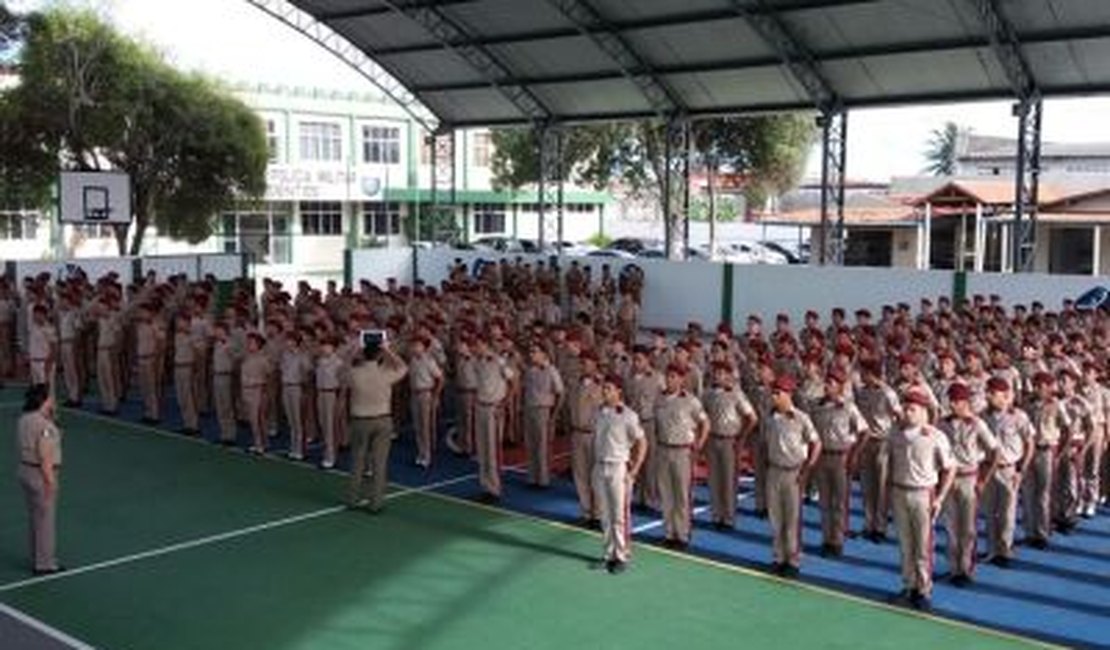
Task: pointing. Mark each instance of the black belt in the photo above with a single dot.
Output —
(371, 417)
(26, 464)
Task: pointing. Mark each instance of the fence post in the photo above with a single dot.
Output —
(959, 287)
(726, 294)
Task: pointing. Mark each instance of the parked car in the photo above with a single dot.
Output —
(634, 245)
(790, 256)
(611, 252)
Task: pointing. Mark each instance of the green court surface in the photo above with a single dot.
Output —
(143, 524)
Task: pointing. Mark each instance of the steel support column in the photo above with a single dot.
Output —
(444, 189)
(834, 149)
(1027, 183)
(548, 145)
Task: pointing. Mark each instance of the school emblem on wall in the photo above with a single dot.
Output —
(370, 185)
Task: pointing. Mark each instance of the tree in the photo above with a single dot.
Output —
(91, 99)
(768, 151)
(941, 152)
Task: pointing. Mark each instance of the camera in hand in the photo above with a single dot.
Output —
(372, 341)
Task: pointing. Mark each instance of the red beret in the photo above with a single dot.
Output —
(972, 352)
(998, 385)
(917, 396)
(863, 313)
(837, 374)
(675, 369)
(959, 392)
(614, 380)
(693, 325)
(1067, 371)
(722, 366)
(659, 332)
(755, 319)
(785, 384)
(588, 355)
(812, 314)
(908, 359)
(871, 366)
(724, 328)
(783, 318)
(1043, 377)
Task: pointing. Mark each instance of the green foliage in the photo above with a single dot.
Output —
(940, 154)
(91, 99)
(601, 240)
(437, 224)
(727, 209)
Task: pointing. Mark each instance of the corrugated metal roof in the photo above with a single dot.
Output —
(488, 62)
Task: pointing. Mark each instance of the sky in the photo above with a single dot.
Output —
(238, 42)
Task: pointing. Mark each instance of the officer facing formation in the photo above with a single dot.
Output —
(39, 445)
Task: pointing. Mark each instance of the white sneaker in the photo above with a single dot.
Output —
(368, 473)
(296, 455)
(327, 464)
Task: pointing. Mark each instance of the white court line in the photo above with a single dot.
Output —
(697, 511)
(43, 628)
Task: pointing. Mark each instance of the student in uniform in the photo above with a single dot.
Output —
(331, 372)
(731, 420)
(493, 375)
(642, 389)
(1050, 422)
(295, 366)
(184, 360)
(39, 442)
(543, 395)
(371, 384)
(254, 375)
(1011, 427)
(921, 473)
(223, 396)
(619, 452)
(587, 399)
(882, 408)
(842, 428)
(793, 448)
(425, 378)
(682, 427)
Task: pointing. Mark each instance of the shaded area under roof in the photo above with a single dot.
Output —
(490, 62)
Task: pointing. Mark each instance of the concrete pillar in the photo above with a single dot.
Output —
(1096, 251)
(1007, 264)
(980, 238)
(927, 243)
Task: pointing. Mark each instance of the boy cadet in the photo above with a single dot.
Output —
(975, 452)
(793, 447)
(731, 420)
(184, 359)
(642, 389)
(146, 353)
(881, 407)
(1073, 449)
(42, 348)
(586, 400)
(1011, 426)
(425, 377)
(681, 427)
(493, 375)
(619, 450)
(1050, 421)
(330, 375)
(1091, 463)
(543, 393)
(254, 375)
(841, 427)
(371, 384)
(921, 473)
(295, 365)
(466, 385)
(69, 327)
(223, 397)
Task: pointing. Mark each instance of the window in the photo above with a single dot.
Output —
(381, 219)
(483, 149)
(19, 225)
(322, 218)
(489, 219)
(95, 230)
(229, 228)
(321, 142)
(273, 142)
(381, 144)
(426, 147)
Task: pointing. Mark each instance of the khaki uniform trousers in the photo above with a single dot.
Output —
(873, 469)
(464, 437)
(614, 490)
(1090, 478)
(70, 371)
(582, 464)
(1000, 510)
(201, 374)
(1066, 503)
(222, 396)
(915, 536)
(186, 398)
(784, 505)
(721, 455)
(646, 491)
(1037, 494)
(7, 349)
(675, 476)
(759, 470)
(41, 507)
(537, 443)
(834, 486)
(327, 401)
(487, 420)
(254, 403)
(106, 379)
(961, 509)
(371, 439)
(39, 371)
(291, 396)
(422, 423)
(148, 386)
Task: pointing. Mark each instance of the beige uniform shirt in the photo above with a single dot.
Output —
(971, 440)
(295, 366)
(1050, 422)
(641, 392)
(39, 340)
(254, 371)
(676, 418)
(493, 374)
(542, 386)
(880, 406)
(726, 410)
(330, 372)
(839, 424)
(424, 372)
(69, 324)
(788, 436)
(1013, 430)
(918, 455)
(372, 388)
(223, 358)
(183, 350)
(145, 340)
(615, 433)
(585, 403)
(466, 373)
(33, 431)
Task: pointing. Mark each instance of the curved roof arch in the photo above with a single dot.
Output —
(502, 62)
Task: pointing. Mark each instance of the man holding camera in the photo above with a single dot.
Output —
(371, 390)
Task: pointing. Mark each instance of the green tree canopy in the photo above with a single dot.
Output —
(769, 152)
(91, 99)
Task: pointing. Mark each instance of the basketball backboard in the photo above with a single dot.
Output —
(95, 197)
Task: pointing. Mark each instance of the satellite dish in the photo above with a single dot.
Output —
(371, 185)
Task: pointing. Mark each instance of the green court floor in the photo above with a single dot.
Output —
(142, 524)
